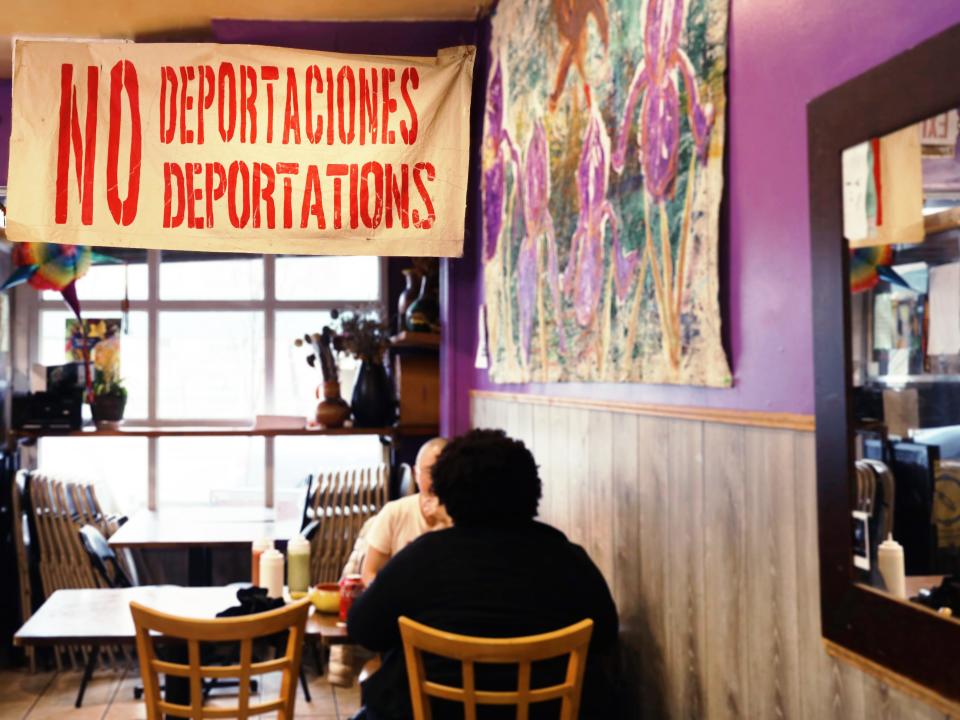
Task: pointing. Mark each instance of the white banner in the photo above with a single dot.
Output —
(239, 148)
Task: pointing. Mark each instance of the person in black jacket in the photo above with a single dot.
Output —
(496, 573)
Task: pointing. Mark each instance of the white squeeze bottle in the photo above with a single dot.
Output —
(271, 573)
(890, 560)
(298, 566)
(256, 550)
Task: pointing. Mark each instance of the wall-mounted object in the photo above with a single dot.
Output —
(602, 181)
(276, 178)
(906, 643)
(883, 190)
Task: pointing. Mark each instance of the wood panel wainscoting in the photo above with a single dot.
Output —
(706, 530)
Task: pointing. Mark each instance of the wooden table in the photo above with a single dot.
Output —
(102, 617)
(199, 530)
(916, 583)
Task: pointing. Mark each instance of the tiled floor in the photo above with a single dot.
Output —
(50, 696)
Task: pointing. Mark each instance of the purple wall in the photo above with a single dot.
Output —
(781, 55)
(370, 38)
(5, 108)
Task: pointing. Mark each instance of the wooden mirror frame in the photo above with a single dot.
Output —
(904, 638)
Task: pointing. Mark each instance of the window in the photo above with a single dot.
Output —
(208, 341)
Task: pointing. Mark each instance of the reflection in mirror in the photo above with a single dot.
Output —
(901, 220)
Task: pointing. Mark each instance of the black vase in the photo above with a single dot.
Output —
(373, 403)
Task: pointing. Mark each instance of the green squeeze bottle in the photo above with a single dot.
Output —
(298, 566)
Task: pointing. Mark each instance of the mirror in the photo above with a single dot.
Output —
(885, 248)
(901, 223)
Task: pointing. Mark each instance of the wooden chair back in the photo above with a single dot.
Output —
(340, 502)
(243, 630)
(571, 642)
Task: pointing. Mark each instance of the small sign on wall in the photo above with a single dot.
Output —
(940, 129)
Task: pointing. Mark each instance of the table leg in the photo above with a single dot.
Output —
(199, 567)
(312, 646)
(87, 674)
(303, 684)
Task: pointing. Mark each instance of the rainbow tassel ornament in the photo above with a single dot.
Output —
(865, 264)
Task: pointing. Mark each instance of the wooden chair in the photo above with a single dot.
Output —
(572, 641)
(244, 630)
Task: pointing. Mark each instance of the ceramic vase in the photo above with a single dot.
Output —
(409, 295)
(373, 402)
(332, 411)
(423, 314)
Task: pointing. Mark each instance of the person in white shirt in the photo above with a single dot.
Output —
(402, 521)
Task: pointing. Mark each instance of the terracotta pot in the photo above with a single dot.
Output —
(332, 411)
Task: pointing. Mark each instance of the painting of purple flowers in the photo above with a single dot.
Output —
(602, 179)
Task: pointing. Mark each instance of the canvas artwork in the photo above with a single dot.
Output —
(102, 338)
(602, 180)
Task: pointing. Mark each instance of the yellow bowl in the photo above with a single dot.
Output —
(326, 597)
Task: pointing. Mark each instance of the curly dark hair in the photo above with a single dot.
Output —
(487, 478)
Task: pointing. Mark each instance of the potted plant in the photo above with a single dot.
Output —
(366, 338)
(332, 410)
(109, 400)
(109, 395)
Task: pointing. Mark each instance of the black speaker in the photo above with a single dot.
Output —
(48, 411)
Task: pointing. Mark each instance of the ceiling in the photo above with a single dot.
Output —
(109, 19)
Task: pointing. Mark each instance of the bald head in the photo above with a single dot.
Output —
(425, 460)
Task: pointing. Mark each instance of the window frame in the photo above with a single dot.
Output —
(269, 306)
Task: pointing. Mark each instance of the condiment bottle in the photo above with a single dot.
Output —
(298, 566)
(258, 548)
(271, 573)
(890, 560)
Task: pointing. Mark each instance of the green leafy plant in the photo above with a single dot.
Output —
(108, 385)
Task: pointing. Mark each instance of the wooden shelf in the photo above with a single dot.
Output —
(943, 220)
(418, 340)
(416, 430)
(154, 431)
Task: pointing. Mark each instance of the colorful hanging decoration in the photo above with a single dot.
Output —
(602, 178)
(49, 266)
(865, 264)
